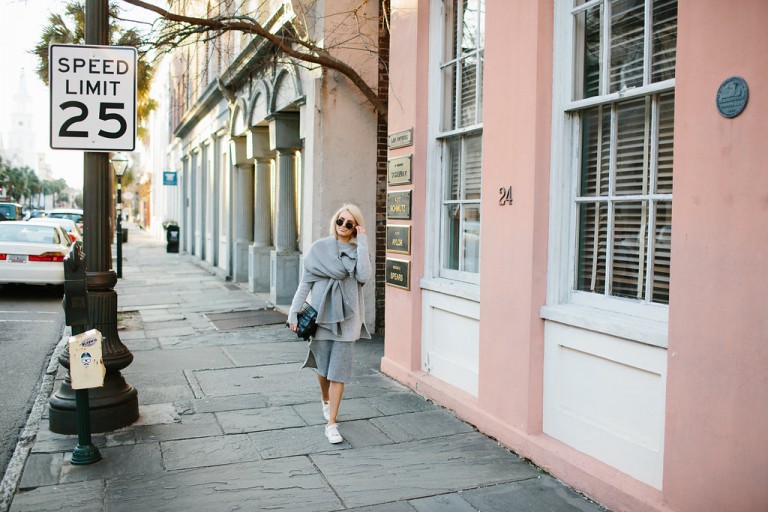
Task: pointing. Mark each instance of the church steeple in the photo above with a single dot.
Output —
(20, 143)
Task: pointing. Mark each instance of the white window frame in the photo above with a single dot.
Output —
(436, 277)
(644, 322)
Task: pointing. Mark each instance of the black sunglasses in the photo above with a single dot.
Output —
(348, 225)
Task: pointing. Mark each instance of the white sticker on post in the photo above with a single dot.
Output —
(86, 366)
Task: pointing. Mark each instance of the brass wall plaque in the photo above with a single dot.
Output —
(399, 239)
(399, 170)
(399, 205)
(398, 273)
(401, 139)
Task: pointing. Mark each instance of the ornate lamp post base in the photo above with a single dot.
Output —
(114, 406)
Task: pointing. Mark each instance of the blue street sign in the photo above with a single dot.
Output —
(170, 178)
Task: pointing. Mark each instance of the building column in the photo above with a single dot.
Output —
(284, 258)
(243, 206)
(259, 253)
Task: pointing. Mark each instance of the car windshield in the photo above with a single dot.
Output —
(29, 233)
(65, 215)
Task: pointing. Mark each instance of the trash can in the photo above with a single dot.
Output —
(172, 238)
(125, 235)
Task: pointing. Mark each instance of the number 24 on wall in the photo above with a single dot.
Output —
(505, 195)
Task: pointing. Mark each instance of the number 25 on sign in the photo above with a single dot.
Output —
(93, 97)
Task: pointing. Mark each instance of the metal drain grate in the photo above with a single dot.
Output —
(248, 318)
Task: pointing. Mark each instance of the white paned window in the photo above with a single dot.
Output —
(460, 137)
(616, 152)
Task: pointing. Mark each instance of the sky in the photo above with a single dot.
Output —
(23, 21)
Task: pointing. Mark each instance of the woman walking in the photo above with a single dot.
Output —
(335, 269)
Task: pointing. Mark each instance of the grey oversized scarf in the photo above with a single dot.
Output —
(327, 260)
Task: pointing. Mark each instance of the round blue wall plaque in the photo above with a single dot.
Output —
(732, 96)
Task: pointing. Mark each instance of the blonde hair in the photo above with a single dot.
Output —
(356, 213)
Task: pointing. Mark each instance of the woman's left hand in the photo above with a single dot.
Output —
(360, 230)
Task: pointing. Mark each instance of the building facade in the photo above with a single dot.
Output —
(539, 152)
(262, 148)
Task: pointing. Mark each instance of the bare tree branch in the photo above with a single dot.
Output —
(284, 43)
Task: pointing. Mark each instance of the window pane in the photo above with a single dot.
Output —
(666, 133)
(632, 146)
(588, 32)
(480, 87)
(452, 236)
(449, 98)
(627, 28)
(593, 233)
(473, 166)
(470, 36)
(451, 33)
(452, 177)
(664, 39)
(472, 239)
(596, 132)
(629, 249)
(468, 91)
(661, 252)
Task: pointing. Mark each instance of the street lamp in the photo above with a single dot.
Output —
(120, 165)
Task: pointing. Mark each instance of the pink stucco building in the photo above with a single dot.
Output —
(540, 154)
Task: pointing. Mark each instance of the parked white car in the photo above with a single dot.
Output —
(74, 214)
(32, 253)
(69, 226)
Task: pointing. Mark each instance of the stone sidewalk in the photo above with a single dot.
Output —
(228, 421)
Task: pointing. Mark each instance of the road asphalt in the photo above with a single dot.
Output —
(228, 420)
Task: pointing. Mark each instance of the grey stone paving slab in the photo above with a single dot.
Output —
(267, 380)
(452, 502)
(140, 344)
(278, 484)
(77, 497)
(267, 353)
(50, 442)
(542, 494)
(144, 299)
(229, 403)
(149, 326)
(116, 462)
(400, 403)
(208, 451)
(421, 425)
(161, 315)
(41, 469)
(191, 426)
(255, 420)
(418, 469)
(363, 433)
(121, 437)
(349, 410)
(132, 334)
(396, 506)
(158, 388)
(372, 385)
(161, 361)
(187, 330)
(275, 444)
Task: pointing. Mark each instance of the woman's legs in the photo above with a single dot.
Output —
(331, 392)
(324, 385)
(335, 392)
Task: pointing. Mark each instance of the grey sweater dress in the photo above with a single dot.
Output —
(313, 289)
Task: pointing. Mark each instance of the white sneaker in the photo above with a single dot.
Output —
(332, 433)
(326, 410)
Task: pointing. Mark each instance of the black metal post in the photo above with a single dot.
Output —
(119, 228)
(116, 404)
(85, 452)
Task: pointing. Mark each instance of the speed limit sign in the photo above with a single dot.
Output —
(93, 97)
